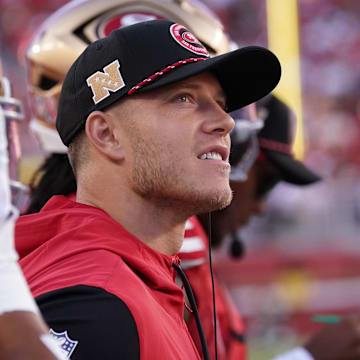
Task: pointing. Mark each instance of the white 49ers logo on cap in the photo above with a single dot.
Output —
(187, 40)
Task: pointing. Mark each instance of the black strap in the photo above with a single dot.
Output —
(237, 336)
(192, 301)
(213, 288)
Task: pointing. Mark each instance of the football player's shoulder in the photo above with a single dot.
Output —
(194, 249)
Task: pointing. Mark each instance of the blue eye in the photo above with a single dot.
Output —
(183, 98)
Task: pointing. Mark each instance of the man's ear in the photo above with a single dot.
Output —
(100, 132)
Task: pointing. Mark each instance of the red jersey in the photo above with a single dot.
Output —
(69, 244)
(230, 325)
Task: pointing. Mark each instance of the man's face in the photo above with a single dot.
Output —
(250, 196)
(178, 145)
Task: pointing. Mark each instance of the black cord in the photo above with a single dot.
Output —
(213, 289)
(237, 247)
(192, 301)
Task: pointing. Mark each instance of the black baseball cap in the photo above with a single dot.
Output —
(275, 141)
(150, 55)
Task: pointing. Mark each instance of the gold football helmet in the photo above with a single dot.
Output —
(66, 33)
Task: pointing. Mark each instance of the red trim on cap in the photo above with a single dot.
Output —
(162, 72)
(261, 156)
(276, 146)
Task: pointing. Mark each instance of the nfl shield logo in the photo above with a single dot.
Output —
(66, 344)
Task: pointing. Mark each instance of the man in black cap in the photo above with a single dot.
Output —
(274, 163)
(144, 114)
(270, 161)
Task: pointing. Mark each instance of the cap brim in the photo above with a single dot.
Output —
(291, 170)
(246, 75)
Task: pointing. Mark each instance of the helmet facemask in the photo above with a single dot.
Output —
(11, 112)
(244, 143)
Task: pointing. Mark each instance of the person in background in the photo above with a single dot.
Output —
(23, 332)
(274, 163)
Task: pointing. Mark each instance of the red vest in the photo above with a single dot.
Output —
(69, 244)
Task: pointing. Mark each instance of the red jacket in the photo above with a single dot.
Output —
(69, 244)
(230, 325)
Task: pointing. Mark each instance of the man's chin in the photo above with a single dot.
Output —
(192, 202)
(213, 201)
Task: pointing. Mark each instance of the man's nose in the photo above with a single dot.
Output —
(219, 121)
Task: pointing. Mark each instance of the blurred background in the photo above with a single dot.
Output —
(303, 256)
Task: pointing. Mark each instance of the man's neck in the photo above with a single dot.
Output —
(160, 228)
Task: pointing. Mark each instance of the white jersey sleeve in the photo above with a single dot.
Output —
(194, 249)
(14, 294)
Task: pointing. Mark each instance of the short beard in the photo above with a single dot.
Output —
(163, 183)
